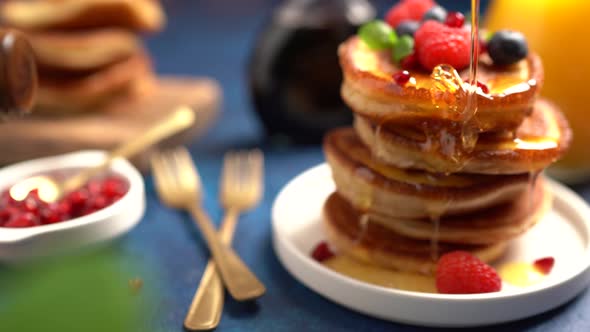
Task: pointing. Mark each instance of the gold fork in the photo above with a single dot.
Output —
(179, 186)
(241, 189)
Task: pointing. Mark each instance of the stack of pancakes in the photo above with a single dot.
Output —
(421, 174)
(87, 51)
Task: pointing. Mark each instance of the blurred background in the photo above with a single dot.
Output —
(251, 101)
(223, 36)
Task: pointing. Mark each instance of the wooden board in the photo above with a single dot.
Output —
(37, 136)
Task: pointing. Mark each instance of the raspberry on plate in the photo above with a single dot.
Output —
(459, 272)
(436, 43)
(408, 10)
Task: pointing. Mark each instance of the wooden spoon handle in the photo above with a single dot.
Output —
(182, 118)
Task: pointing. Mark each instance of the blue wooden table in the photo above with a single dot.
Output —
(213, 38)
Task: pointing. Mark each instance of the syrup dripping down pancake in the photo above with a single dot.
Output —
(541, 139)
(374, 244)
(487, 226)
(370, 90)
(404, 193)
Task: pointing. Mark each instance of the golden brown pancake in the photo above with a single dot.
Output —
(404, 193)
(372, 243)
(82, 50)
(541, 139)
(72, 93)
(141, 15)
(487, 226)
(370, 90)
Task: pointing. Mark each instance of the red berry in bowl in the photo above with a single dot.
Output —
(78, 200)
(7, 213)
(51, 214)
(436, 44)
(113, 188)
(408, 10)
(99, 202)
(64, 209)
(23, 220)
(96, 195)
(7, 200)
(94, 187)
(31, 205)
(459, 272)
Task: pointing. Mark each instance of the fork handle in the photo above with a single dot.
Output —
(240, 282)
(205, 311)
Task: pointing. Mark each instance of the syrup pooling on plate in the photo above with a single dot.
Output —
(379, 276)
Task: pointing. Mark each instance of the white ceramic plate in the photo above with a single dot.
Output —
(563, 234)
(19, 244)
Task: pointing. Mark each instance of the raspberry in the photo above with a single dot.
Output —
(408, 10)
(322, 252)
(459, 272)
(410, 62)
(544, 265)
(436, 43)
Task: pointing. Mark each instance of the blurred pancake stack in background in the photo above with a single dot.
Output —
(97, 84)
(88, 52)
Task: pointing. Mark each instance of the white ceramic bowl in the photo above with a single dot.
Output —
(18, 244)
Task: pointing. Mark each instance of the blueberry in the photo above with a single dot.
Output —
(507, 47)
(436, 13)
(407, 27)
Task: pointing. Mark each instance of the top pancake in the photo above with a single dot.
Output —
(542, 138)
(370, 90)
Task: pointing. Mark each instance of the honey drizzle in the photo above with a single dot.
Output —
(533, 176)
(435, 212)
(449, 80)
(449, 94)
(470, 130)
(365, 204)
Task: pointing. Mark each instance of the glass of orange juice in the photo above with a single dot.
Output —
(557, 31)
